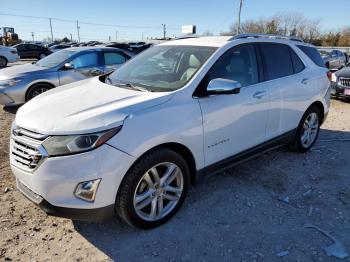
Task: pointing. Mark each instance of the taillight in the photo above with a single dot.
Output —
(13, 51)
(329, 75)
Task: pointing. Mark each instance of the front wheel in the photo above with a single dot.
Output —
(308, 130)
(153, 189)
(36, 90)
(3, 61)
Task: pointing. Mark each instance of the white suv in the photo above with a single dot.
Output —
(132, 142)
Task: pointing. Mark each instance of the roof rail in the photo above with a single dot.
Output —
(242, 36)
(185, 37)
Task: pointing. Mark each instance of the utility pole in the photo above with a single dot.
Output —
(239, 16)
(164, 31)
(33, 36)
(71, 37)
(51, 30)
(78, 28)
(116, 35)
(142, 36)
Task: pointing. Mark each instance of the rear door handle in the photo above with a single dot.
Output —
(259, 94)
(305, 81)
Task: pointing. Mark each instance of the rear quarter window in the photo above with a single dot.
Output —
(313, 54)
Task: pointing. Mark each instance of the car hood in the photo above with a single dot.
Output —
(20, 70)
(344, 72)
(84, 107)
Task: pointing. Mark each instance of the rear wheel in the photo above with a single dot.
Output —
(153, 189)
(308, 130)
(3, 61)
(36, 90)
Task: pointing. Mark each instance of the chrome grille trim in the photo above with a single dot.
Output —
(30, 134)
(26, 152)
(344, 81)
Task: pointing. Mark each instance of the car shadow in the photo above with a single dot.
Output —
(342, 99)
(11, 109)
(233, 212)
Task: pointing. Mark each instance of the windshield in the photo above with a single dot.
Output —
(162, 68)
(56, 58)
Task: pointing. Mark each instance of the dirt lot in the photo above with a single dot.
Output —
(256, 211)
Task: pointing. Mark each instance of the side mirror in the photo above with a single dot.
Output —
(68, 66)
(223, 86)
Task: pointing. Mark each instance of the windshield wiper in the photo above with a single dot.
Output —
(131, 86)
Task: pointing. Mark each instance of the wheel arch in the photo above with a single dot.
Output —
(320, 107)
(180, 149)
(35, 84)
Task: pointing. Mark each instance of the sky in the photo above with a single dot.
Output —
(136, 19)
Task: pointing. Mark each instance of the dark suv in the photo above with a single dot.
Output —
(32, 51)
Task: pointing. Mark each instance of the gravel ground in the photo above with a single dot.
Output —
(256, 211)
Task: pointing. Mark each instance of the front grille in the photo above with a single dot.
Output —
(344, 81)
(26, 149)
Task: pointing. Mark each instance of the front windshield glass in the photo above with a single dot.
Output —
(55, 58)
(162, 68)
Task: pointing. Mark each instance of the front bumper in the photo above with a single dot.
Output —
(338, 90)
(13, 95)
(51, 186)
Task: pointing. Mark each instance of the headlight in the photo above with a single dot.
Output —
(66, 145)
(9, 82)
(334, 78)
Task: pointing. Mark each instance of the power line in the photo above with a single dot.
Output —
(86, 23)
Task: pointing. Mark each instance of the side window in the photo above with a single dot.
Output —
(22, 47)
(113, 58)
(34, 47)
(313, 54)
(297, 63)
(85, 60)
(276, 60)
(238, 64)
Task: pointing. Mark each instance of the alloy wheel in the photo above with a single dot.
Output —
(158, 191)
(310, 129)
(39, 91)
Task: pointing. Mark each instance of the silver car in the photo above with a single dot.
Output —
(334, 60)
(21, 83)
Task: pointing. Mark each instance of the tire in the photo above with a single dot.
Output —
(41, 56)
(311, 121)
(3, 61)
(136, 185)
(37, 89)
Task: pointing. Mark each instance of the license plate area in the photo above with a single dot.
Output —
(347, 92)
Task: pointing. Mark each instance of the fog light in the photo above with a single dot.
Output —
(87, 190)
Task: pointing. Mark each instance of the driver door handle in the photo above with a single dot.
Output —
(259, 94)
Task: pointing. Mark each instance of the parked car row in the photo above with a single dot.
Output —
(131, 142)
(21, 83)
